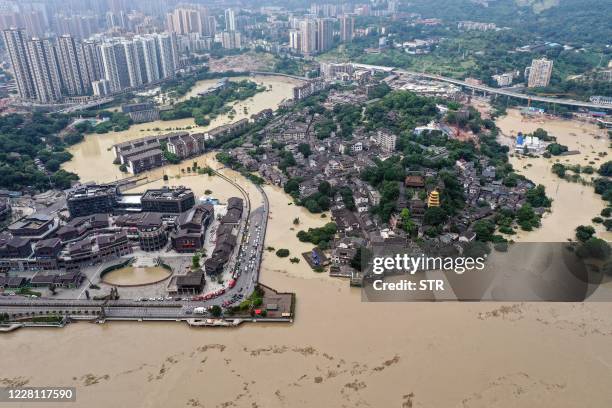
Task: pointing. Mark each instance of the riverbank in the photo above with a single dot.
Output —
(573, 204)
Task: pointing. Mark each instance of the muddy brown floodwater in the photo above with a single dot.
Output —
(339, 352)
(136, 275)
(573, 204)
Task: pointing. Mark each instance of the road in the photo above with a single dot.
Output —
(249, 257)
(484, 88)
(247, 262)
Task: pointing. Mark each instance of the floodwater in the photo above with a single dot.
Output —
(339, 352)
(136, 275)
(93, 157)
(573, 204)
(282, 234)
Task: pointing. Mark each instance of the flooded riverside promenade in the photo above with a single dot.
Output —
(339, 352)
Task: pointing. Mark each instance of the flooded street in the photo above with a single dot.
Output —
(339, 352)
(573, 204)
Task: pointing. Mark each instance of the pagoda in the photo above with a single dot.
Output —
(433, 200)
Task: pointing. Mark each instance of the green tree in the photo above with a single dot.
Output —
(484, 230)
(434, 216)
(584, 233)
(325, 188)
(406, 222)
(556, 149)
(216, 311)
(537, 197)
(304, 148)
(606, 169)
(594, 248)
(282, 253)
(195, 261)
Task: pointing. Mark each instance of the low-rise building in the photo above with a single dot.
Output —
(191, 227)
(141, 112)
(309, 88)
(186, 145)
(152, 235)
(15, 247)
(168, 200)
(145, 161)
(190, 283)
(91, 199)
(5, 209)
(386, 140)
(34, 227)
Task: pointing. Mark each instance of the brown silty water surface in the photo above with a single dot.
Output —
(573, 204)
(136, 275)
(339, 352)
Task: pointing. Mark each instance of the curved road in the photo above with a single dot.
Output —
(484, 88)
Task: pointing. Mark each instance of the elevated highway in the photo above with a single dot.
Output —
(489, 90)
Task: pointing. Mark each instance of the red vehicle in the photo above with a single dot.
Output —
(232, 283)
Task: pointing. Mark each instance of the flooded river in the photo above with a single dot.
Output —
(339, 352)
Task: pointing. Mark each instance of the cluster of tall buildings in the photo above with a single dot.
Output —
(329, 10)
(315, 35)
(189, 20)
(40, 22)
(47, 70)
(34, 21)
(199, 28)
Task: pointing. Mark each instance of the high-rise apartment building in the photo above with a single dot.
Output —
(392, 6)
(74, 73)
(295, 40)
(147, 48)
(308, 34)
(111, 65)
(325, 34)
(540, 73)
(166, 54)
(209, 26)
(230, 20)
(314, 35)
(386, 140)
(231, 40)
(132, 62)
(78, 26)
(34, 22)
(101, 87)
(347, 28)
(93, 60)
(15, 43)
(44, 70)
(184, 21)
(324, 10)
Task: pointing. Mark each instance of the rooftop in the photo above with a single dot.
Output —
(167, 193)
